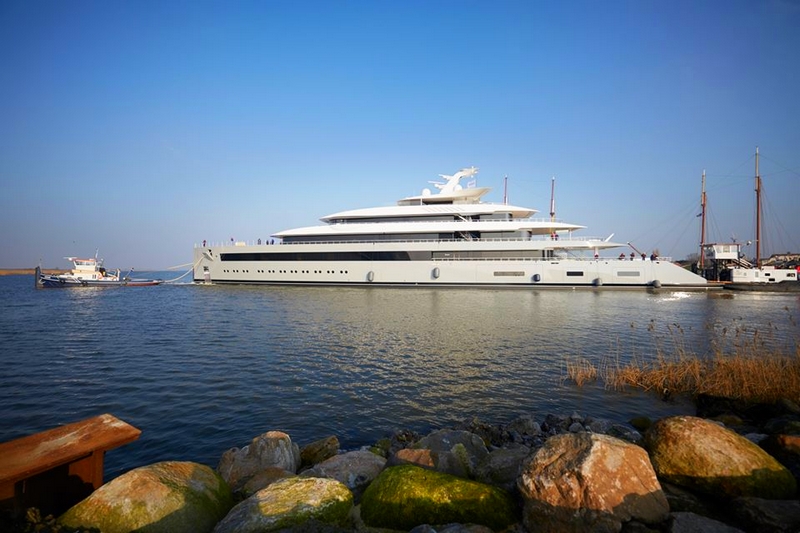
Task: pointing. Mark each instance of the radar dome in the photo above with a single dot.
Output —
(426, 192)
(458, 187)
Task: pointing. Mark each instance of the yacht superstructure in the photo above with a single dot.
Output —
(443, 238)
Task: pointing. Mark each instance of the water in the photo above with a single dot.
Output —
(201, 369)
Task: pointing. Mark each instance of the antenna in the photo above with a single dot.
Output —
(553, 199)
(505, 190)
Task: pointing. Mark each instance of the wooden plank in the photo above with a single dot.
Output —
(34, 454)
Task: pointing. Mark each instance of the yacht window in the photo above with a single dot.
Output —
(574, 273)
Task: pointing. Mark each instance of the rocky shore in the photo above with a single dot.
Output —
(730, 468)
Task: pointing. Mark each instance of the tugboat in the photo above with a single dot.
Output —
(88, 273)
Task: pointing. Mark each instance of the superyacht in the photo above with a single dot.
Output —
(442, 238)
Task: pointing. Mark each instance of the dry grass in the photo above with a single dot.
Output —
(742, 365)
(581, 371)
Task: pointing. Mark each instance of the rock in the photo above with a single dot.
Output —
(461, 528)
(589, 482)
(164, 497)
(693, 523)
(526, 426)
(454, 451)
(555, 424)
(576, 427)
(758, 514)
(501, 467)
(290, 503)
(683, 501)
(641, 423)
(381, 447)
(787, 425)
(599, 425)
(406, 496)
(263, 479)
(490, 434)
(789, 406)
(354, 469)
(421, 458)
(625, 432)
(318, 451)
(705, 457)
(272, 449)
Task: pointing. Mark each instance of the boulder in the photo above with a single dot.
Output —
(422, 458)
(589, 482)
(705, 457)
(263, 479)
(758, 514)
(455, 452)
(694, 523)
(525, 425)
(318, 451)
(272, 449)
(501, 467)
(354, 469)
(164, 497)
(406, 496)
(290, 503)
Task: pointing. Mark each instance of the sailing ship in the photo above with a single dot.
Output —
(725, 263)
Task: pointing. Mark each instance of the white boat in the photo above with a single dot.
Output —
(444, 238)
(88, 272)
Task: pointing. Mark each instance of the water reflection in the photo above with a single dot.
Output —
(210, 367)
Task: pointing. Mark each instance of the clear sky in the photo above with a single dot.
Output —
(140, 128)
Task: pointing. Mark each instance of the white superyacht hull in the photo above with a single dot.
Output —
(524, 273)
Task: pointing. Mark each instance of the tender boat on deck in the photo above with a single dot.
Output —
(89, 273)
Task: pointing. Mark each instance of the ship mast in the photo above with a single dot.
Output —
(703, 220)
(553, 207)
(758, 214)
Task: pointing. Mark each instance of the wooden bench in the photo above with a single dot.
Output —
(55, 469)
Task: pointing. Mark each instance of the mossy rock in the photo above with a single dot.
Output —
(704, 457)
(291, 503)
(405, 496)
(169, 497)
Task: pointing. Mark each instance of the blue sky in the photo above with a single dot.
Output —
(142, 128)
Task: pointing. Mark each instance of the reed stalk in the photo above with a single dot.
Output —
(741, 364)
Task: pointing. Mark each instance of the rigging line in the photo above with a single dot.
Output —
(691, 208)
(185, 273)
(773, 221)
(785, 169)
(689, 222)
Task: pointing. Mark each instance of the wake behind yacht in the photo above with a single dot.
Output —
(444, 238)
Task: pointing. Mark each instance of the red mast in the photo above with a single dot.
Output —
(758, 214)
(703, 221)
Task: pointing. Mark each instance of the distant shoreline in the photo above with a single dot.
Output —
(28, 271)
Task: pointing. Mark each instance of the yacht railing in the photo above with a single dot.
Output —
(535, 238)
(556, 259)
(456, 218)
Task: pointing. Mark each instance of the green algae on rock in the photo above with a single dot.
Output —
(290, 502)
(169, 497)
(405, 496)
(706, 457)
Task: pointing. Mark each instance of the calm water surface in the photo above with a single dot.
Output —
(203, 368)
